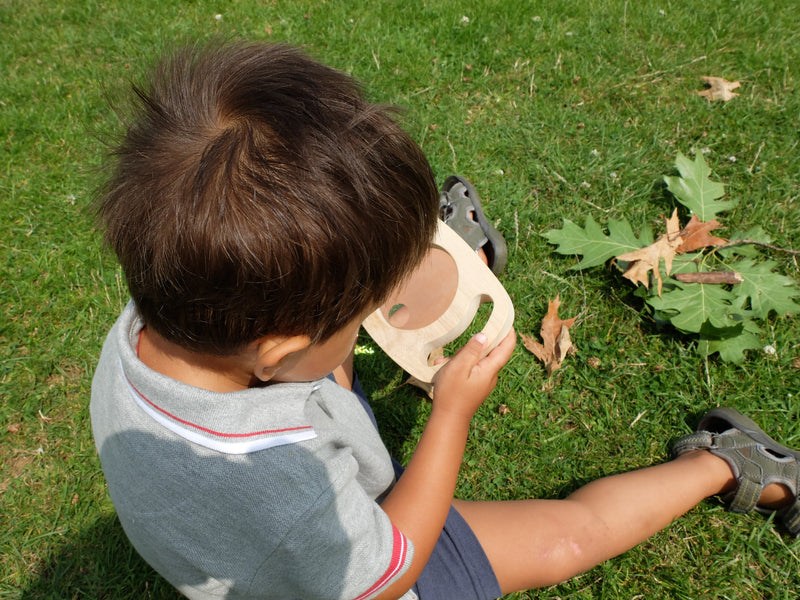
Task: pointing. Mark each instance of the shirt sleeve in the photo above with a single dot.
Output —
(343, 548)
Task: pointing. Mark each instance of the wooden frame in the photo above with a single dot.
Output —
(415, 349)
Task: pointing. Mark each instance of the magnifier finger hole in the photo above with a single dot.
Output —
(478, 324)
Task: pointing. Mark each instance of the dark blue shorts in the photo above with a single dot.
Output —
(458, 569)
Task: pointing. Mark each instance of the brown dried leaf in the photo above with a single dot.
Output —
(534, 347)
(14, 466)
(719, 89)
(555, 335)
(563, 344)
(647, 259)
(696, 235)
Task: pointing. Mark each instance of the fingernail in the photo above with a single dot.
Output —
(480, 338)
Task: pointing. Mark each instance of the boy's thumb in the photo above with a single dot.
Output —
(476, 344)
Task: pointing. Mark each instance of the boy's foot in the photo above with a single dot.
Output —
(460, 208)
(755, 459)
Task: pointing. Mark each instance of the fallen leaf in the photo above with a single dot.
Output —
(647, 259)
(503, 409)
(15, 466)
(555, 335)
(719, 89)
(563, 344)
(696, 235)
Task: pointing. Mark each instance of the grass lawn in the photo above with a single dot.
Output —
(559, 109)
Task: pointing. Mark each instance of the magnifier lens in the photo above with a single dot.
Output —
(425, 295)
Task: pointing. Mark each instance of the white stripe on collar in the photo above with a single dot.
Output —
(219, 445)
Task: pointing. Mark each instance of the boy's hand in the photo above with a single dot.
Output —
(465, 381)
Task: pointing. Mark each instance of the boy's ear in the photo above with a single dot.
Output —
(271, 352)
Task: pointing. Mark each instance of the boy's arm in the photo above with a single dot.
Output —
(420, 501)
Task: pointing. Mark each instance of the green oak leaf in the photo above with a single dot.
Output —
(686, 263)
(730, 349)
(731, 342)
(593, 244)
(766, 290)
(695, 190)
(755, 233)
(688, 307)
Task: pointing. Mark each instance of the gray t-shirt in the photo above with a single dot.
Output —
(265, 493)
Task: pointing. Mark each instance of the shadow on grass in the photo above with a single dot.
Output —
(98, 564)
(397, 408)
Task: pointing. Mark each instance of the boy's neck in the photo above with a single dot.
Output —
(222, 374)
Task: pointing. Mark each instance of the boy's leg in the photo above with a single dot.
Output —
(535, 543)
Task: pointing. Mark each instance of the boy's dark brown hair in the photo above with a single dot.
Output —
(257, 192)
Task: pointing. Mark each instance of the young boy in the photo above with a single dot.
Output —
(260, 209)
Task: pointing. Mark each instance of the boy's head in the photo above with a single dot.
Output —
(256, 192)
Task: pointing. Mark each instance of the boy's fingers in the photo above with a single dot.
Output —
(475, 346)
(502, 352)
(472, 351)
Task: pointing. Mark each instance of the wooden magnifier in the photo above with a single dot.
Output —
(436, 304)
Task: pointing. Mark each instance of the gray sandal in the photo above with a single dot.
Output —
(460, 208)
(755, 458)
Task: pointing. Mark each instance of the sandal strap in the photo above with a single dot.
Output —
(457, 216)
(790, 517)
(699, 440)
(460, 208)
(750, 482)
(749, 474)
(737, 449)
